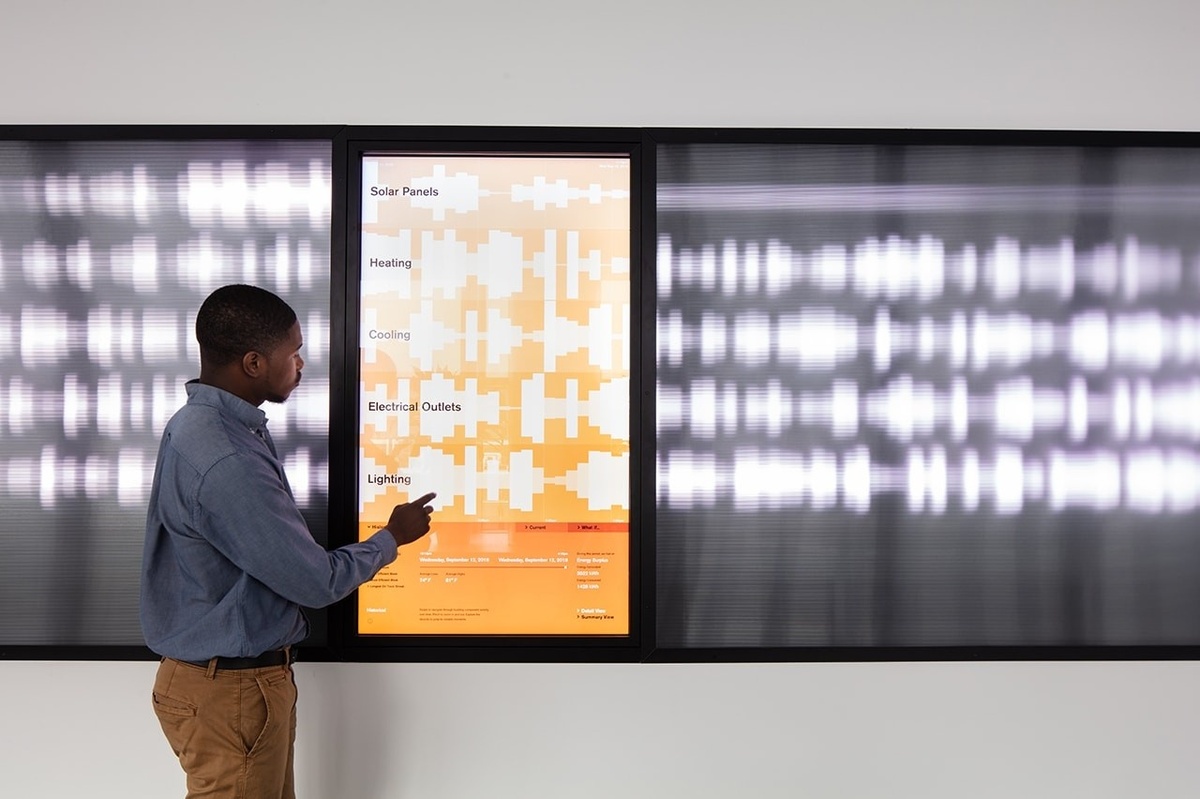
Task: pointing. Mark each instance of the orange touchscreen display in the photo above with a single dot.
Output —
(494, 365)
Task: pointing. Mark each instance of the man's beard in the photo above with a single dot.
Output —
(279, 399)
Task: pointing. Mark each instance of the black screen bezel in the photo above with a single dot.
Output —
(349, 148)
(641, 143)
(885, 137)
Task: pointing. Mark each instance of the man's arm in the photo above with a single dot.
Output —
(246, 512)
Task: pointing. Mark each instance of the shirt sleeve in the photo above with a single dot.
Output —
(246, 512)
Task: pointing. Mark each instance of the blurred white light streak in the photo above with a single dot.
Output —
(664, 271)
(145, 195)
(280, 255)
(109, 406)
(769, 479)
(713, 338)
(829, 268)
(235, 193)
(320, 195)
(1138, 340)
(936, 480)
(781, 266)
(856, 480)
(22, 477)
(1182, 480)
(101, 336)
(79, 266)
(160, 337)
(866, 266)
(136, 264)
(816, 339)
(98, 474)
(203, 265)
(166, 396)
(47, 477)
(931, 267)
(305, 266)
(64, 195)
(686, 268)
(822, 480)
(751, 271)
(1129, 269)
(137, 406)
(960, 346)
(298, 468)
(670, 337)
(960, 409)
(275, 196)
(690, 479)
(1078, 416)
(708, 267)
(899, 268)
(19, 406)
(134, 475)
(729, 268)
(926, 339)
(1089, 340)
(1002, 268)
(9, 338)
(1008, 481)
(669, 408)
(76, 407)
(752, 338)
(46, 336)
(1145, 481)
(1143, 410)
(316, 337)
(1013, 410)
(1089, 480)
(40, 264)
(702, 409)
(1121, 410)
(844, 409)
(883, 340)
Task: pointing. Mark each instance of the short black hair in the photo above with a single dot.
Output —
(237, 319)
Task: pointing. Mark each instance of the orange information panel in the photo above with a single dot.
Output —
(494, 370)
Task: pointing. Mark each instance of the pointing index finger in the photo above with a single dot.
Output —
(423, 500)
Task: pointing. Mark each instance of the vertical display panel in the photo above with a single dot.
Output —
(494, 369)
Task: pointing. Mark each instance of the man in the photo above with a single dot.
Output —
(229, 561)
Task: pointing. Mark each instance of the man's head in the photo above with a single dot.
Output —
(249, 343)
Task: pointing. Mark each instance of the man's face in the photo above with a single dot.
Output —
(283, 366)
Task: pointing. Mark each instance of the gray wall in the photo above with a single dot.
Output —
(825, 730)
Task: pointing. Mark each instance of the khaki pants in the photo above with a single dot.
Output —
(233, 731)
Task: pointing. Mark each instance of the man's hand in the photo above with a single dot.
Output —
(410, 521)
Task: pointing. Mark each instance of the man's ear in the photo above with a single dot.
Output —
(253, 364)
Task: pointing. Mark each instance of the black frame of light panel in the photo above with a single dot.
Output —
(640, 144)
(349, 148)
(898, 138)
(40, 134)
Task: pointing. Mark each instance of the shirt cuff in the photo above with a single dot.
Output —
(387, 545)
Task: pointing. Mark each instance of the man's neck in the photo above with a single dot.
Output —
(227, 380)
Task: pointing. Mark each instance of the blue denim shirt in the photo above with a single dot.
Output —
(229, 561)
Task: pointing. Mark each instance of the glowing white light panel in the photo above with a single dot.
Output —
(926, 395)
(106, 251)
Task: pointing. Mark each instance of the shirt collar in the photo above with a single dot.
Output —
(204, 394)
